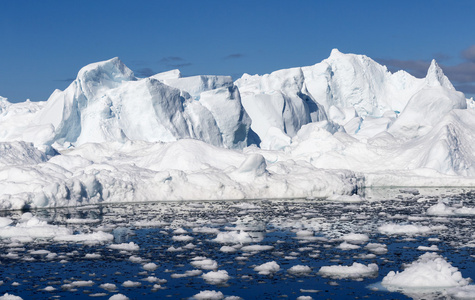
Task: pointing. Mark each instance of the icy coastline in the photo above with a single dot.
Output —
(325, 130)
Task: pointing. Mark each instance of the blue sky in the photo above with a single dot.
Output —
(45, 43)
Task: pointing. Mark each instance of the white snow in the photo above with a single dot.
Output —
(429, 271)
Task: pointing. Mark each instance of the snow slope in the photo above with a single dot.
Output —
(323, 130)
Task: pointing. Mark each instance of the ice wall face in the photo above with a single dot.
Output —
(107, 102)
(346, 89)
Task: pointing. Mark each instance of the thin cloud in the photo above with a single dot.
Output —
(466, 88)
(462, 75)
(441, 57)
(175, 62)
(171, 59)
(234, 56)
(469, 53)
(71, 79)
(417, 68)
(177, 66)
(144, 72)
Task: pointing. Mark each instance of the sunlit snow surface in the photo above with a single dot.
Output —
(245, 250)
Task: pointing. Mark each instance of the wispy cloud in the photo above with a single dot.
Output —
(70, 79)
(469, 53)
(417, 68)
(234, 56)
(462, 75)
(144, 72)
(171, 59)
(179, 65)
(175, 62)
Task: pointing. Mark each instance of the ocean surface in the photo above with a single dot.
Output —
(160, 244)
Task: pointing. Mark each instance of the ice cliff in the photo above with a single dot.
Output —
(322, 130)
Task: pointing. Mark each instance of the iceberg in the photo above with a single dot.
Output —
(326, 130)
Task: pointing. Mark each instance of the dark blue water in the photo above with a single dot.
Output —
(272, 222)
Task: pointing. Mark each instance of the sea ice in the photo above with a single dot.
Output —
(356, 270)
(218, 277)
(267, 268)
(429, 271)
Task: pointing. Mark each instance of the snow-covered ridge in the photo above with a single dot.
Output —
(322, 130)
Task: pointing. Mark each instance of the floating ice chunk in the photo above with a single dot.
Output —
(153, 279)
(304, 233)
(174, 249)
(182, 238)
(218, 277)
(209, 295)
(299, 270)
(347, 246)
(355, 238)
(49, 288)
(255, 248)
(227, 249)
(135, 259)
(440, 209)
(462, 293)
(431, 248)
(189, 246)
(95, 237)
(356, 270)
(429, 271)
(189, 273)
(304, 298)
(33, 228)
(119, 297)
(267, 268)
(81, 283)
(233, 237)
(377, 248)
(130, 283)
(8, 296)
(180, 231)
(150, 267)
(83, 221)
(108, 287)
(204, 263)
(5, 221)
(246, 206)
(409, 229)
(125, 246)
(92, 256)
(206, 230)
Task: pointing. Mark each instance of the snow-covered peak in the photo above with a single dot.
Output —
(172, 74)
(103, 75)
(436, 77)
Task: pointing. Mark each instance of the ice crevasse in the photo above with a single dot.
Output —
(317, 131)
